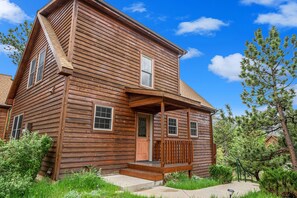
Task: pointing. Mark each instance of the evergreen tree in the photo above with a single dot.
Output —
(15, 41)
(269, 73)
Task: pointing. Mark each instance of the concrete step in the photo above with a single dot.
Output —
(131, 184)
(142, 174)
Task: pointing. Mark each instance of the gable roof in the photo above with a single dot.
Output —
(188, 92)
(65, 66)
(5, 82)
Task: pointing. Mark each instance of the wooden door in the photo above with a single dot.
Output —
(143, 137)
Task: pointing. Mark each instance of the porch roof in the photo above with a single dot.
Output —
(149, 100)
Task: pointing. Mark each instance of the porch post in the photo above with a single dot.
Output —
(189, 138)
(162, 133)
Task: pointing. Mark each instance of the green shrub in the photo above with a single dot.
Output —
(280, 182)
(20, 162)
(181, 180)
(221, 173)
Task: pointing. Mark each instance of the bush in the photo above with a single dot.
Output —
(20, 162)
(280, 182)
(221, 173)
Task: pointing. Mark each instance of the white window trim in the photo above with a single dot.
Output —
(195, 136)
(35, 58)
(112, 111)
(37, 66)
(142, 55)
(17, 124)
(169, 134)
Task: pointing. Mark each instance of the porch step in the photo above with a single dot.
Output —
(142, 174)
(145, 167)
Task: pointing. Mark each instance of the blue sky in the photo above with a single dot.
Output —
(214, 32)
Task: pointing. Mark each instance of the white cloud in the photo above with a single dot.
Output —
(11, 12)
(263, 2)
(285, 17)
(7, 49)
(202, 26)
(227, 67)
(136, 7)
(192, 53)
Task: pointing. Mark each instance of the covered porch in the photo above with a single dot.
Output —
(168, 154)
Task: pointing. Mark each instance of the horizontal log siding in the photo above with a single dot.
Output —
(3, 115)
(108, 150)
(106, 58)
(39, 106)
(202, 146)
(110, 51)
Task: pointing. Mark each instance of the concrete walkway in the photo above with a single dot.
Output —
(131, 184)
(240, 188)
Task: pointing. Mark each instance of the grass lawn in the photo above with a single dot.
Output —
(78, 185)
(182, 181)
(259, 194)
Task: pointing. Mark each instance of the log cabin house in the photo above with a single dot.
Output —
(108, 91)
(5, 83)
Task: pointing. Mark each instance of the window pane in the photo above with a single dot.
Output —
(15, 122)
(172, 130)
(146, 79)
(172, 122)
(146, 64)
(40, 66)
(32, 72)
(20, 122)
(193, 125)
(103, 112)
(193, 132)
(142, 127)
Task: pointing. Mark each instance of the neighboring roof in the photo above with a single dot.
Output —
(188, 92)
(5, 82)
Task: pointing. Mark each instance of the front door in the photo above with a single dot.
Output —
(143, 137)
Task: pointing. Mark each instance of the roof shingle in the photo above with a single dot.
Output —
(188, 92)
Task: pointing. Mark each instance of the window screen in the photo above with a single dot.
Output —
(103, 118)
(194, 129)
(146, 71)
(17, 126)
(32, 72)
(40, 68)
(172, 126)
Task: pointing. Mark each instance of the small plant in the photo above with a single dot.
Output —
(279, 182)
(20, 162)
(220, 173)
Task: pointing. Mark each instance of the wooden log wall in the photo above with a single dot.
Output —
(106, 58)
(41, 104)
(3, 119)
(202, 146)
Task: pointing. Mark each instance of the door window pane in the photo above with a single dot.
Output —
(142, 127)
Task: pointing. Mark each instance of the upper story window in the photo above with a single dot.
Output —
(17, 126)
(172, 126)
(103, 118)
(32, 73)
(194, 129)
(40, 68)
(146, 71)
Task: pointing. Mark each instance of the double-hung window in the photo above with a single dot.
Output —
(194, 129)
(172, 126)
(31, 73)
(17, 126)
(103, 117)
(40, 68)
(146, 71)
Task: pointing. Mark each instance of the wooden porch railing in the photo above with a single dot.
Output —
(175, 151)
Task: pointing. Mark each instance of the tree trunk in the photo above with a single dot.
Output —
(257, 175)
(287, 137)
